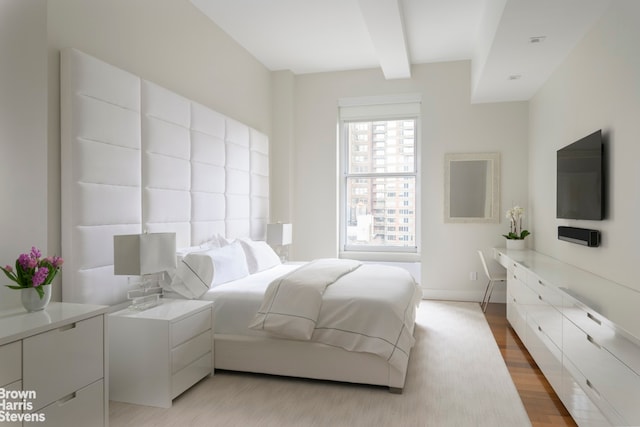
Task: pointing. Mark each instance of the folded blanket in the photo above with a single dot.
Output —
(292, 302)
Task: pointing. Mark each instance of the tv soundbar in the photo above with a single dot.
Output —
(581, 236)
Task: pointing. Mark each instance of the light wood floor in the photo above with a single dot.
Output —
(541, 402)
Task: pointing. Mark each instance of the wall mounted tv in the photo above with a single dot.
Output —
(580, 184)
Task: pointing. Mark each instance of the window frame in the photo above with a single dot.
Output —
(378, 252)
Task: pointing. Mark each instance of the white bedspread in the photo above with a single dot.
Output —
(371, 309)
(292, 302)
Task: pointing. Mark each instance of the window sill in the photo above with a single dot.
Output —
(381, 256)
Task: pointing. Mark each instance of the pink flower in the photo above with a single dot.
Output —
(24, 261)
(35, 252)
(40, 276)
(8, 268)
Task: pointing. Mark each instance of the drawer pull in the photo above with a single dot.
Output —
(592, 341)
(540, 298)
(592, 317)
(590, 385)
(67, 327)
(67, 398)
(541, 283)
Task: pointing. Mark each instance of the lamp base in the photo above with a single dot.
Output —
(148, 292)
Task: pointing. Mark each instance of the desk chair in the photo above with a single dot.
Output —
(495, 274)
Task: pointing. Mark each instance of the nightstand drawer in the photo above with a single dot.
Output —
(63, 360)
(185, 378)
(189, 327)
(11, 366)
(85, 406)
(188, 352)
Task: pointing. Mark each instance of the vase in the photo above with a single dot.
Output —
(31, 301)
(515, 244)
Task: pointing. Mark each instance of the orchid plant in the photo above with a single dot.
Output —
(514, 215)
(32, 271)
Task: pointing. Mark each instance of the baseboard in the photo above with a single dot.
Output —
(498, 295)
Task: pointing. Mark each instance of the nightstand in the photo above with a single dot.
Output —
(158, 353)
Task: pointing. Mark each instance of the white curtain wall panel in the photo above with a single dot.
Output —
(137, 157)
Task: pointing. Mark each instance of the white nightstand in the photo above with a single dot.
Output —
(158, 353)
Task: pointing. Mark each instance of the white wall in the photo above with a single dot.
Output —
(597, 87)
(23, 134)
(166, 41)
(449, 124)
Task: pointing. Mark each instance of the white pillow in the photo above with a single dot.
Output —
(199, 271)
(259, 255)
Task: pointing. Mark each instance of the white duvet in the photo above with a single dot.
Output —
(371, 309)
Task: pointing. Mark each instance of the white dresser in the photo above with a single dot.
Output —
(582, 330)
(158, 353)
(57, 358)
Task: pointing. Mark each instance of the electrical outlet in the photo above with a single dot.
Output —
(473, 275)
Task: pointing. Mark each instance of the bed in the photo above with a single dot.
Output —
(328, 319)
(137, 157)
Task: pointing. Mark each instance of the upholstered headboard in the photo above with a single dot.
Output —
(138, 157)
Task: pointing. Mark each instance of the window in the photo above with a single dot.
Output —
(379, 182)
(368, 226)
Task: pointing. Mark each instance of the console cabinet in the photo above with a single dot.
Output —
(582, 332)
(57, 357)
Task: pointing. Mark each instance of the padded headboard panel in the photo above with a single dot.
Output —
(138, 157)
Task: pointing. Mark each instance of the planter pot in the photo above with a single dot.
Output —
(516, 244)
(31, 301)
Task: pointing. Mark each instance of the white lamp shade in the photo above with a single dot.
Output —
(139, 254)
(279, 234)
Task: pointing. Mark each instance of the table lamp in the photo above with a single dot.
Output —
(145, 257)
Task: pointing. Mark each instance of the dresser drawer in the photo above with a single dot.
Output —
(594, 325)
(612, 380)
(501, 258)
(188, 376)
(546, 354)
(548, 319)
(189, 327)
(6, 417)
(84, 407)
(580, 399)
(63, 360)
(546, 290)
(11, 366)
(188, 352)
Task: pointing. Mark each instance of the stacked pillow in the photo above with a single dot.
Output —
(219, 261)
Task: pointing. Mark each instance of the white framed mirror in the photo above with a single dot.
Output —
(472, 187)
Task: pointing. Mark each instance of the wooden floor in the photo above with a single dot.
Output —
(542, 404)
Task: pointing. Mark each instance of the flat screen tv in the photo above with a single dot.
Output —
(580, 182)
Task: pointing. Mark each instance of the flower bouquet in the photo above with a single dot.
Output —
(32, 271)
(514, 215)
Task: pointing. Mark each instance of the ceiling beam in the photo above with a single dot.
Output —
(384, 22)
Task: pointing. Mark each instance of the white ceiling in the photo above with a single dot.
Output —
(310, 36)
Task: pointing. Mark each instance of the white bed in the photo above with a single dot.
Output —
(138, 157)
(366, 293)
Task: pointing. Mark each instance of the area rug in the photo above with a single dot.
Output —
(456, 377)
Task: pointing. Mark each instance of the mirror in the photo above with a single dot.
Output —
(472, 187)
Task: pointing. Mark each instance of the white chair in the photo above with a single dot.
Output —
(495, 273)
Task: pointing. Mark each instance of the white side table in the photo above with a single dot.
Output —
(158, 353)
